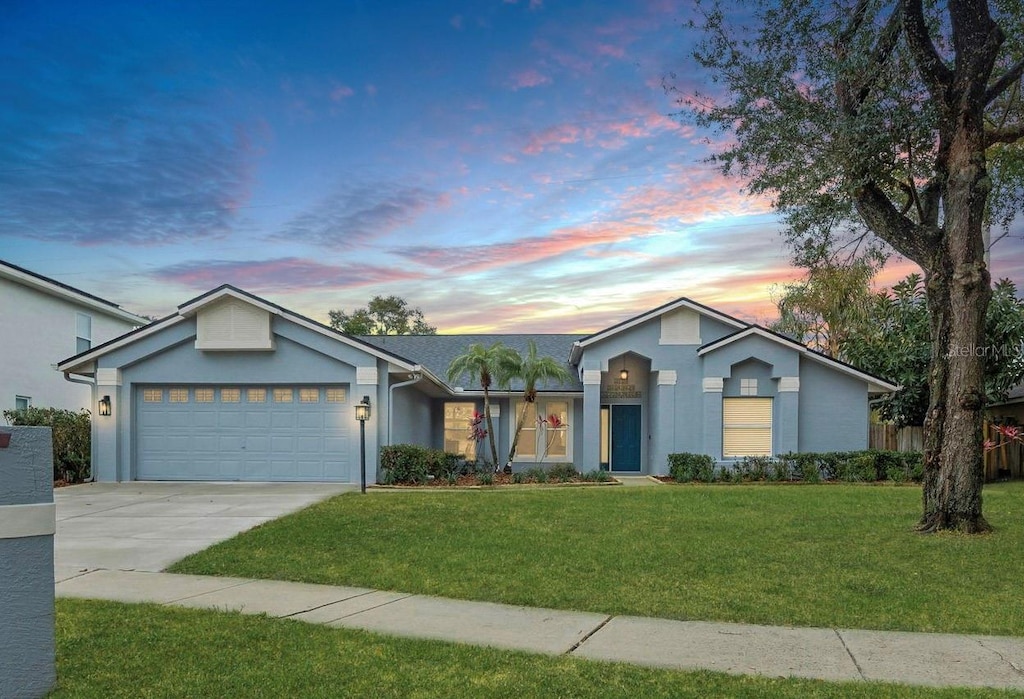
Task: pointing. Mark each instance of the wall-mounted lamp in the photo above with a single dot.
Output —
(624, 373)
(105, 406)
(362, 414)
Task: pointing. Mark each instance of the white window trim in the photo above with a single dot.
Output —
(540, 432)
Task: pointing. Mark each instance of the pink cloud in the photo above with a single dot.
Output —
(529, 78)
(263, 276)
(523, 251)
(341, 92)
(552, 137)
(610, 50)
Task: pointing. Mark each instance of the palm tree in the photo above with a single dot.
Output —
(485, 363)
(530, 369)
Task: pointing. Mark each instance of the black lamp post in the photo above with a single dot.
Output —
(362, 414)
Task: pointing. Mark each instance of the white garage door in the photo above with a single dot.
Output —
(242, 433)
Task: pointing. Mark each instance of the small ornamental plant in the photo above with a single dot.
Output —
(477, 431)
(1008, 434)
(552, 423)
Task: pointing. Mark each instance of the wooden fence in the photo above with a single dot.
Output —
(1004, 461)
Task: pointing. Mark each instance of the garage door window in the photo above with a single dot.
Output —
(335, 395)
(309, 395)
(178, 395)
(230, 395)
(256, 395)
(153, 395)
(204, 395)
(282, 395)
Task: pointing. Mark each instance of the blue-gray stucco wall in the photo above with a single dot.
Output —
(834, 413)
(27, 655)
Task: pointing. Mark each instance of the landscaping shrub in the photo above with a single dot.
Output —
(415, 465)
(686, 467)
(72, 438)
(562, 473)
(597, 476)
(535, 475)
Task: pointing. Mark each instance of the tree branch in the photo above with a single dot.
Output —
(882, 217)
(935, 72)
(1004, 81)
(1009, 134)
(887, 40)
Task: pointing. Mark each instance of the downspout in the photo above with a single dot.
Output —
(391, 398)
(92, 455)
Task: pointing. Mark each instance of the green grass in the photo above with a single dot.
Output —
(830, 556)
(108, 650)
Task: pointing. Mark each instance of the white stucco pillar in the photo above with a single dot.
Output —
(367, 385)
(664, 416)
(787, 415)
(107, 464)
(591, 421)
(713, 386)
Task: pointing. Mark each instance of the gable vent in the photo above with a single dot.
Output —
(233, 325)
(680, 327)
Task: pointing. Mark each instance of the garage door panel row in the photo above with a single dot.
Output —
(241, 439)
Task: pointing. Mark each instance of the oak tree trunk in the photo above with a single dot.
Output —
(958, 291)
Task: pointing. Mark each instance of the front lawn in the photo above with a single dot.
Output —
(829, 555)
(108, 650)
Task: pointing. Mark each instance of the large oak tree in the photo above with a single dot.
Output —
(901, 119)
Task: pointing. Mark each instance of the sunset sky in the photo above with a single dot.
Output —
(506, 166)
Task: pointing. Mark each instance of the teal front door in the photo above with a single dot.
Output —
(625, 438)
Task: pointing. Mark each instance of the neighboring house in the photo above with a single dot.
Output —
(233, 387)
(1010, 409)
(41, 322)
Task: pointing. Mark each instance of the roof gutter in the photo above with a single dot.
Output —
(92, 456)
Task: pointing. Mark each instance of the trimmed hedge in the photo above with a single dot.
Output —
(865, 466)
(72, 438)
(408, 463)
(686, 467)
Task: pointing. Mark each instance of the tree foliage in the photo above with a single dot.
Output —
(899, 118)
(383, 315)
(894, 343)
(825, 308)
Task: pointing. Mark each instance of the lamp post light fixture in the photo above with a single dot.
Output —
(362, 414)
(105, 406)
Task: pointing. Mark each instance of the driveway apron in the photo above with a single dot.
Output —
(148, 526)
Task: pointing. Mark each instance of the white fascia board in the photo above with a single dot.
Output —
(194, 307)
(875, 385)
(78, 298)
(650, 315)
(76, 363)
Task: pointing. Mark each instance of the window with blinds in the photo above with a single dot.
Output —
(746, 427)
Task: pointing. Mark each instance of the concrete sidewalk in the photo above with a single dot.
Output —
(827, 654)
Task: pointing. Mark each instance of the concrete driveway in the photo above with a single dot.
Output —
(148, 526)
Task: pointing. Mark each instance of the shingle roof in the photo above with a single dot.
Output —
(435, 352)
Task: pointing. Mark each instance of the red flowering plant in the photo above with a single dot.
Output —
(552, 423)
(1008, 434)
(477, 432)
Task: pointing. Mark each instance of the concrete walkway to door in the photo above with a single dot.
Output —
(148, 526)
